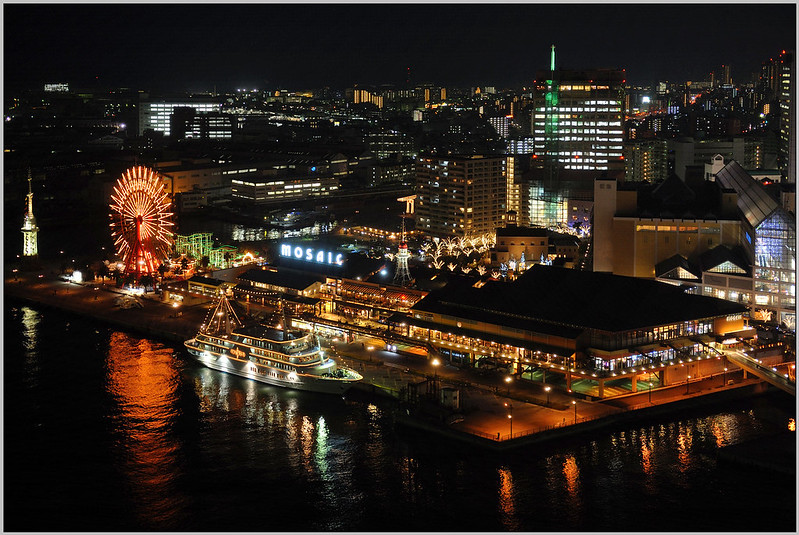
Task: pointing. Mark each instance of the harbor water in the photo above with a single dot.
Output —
(108, 431)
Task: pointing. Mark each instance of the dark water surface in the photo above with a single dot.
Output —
(107, 431)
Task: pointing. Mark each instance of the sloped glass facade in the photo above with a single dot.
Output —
(775, 268)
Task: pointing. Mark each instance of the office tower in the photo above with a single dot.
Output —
(460, 195)
(577, 119)
(185, 123)
(156, 115)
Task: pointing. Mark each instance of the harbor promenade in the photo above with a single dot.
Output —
(491, 411)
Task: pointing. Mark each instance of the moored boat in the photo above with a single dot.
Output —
(275, 355)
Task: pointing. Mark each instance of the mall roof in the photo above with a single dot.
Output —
(753, 199)
(207, 280)
(285, 278)
(549, 299)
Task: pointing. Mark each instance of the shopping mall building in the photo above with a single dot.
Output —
(603, 331)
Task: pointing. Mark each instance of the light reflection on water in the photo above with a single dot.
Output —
(507, 503)
(30, 328)
(197, 449)
(143, 379)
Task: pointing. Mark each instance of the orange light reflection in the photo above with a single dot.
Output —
(143, 379)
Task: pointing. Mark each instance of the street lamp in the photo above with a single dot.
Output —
(508, 380)
(650, 392)
(435, 364)
(687, 384)
(575, 410)
(724, 380)
(547, 389)
(510, 417)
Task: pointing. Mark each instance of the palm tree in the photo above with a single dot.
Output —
(146, 281)
(102, 270)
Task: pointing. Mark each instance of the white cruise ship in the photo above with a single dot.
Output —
(273, 355)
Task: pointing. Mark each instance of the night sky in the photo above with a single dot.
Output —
(299, 46)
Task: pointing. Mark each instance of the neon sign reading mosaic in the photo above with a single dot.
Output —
(309, 254)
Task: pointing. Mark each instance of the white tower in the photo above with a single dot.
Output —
(30, 231)
(402, 276)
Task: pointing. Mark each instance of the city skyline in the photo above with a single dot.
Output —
(202, 47)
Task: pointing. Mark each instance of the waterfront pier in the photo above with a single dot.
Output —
(491, 412)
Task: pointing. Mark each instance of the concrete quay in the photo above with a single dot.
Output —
(493, 413)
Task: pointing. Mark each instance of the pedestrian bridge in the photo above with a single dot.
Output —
(763, 372)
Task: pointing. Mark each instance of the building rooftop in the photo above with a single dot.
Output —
(207, 280)
(565, 302)
(522, 231)
(753, 200)
(286, 278)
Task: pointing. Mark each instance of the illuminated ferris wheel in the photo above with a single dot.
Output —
(141, 221)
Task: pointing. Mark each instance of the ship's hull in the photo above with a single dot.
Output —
(271, 376)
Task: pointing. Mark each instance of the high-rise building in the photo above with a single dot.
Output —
(386, 143)
(577, 118)
(645, 160)
(749, 152)
(185, 123)
(787, 95)
(726, 77)
(362, 96)
(460, 195)
(514, 190)
(525, 145)
(156, 115)
(501, 124)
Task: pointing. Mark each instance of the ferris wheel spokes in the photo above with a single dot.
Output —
(141, 221)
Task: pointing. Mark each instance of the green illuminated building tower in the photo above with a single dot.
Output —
(551, 122)
(578, 134)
